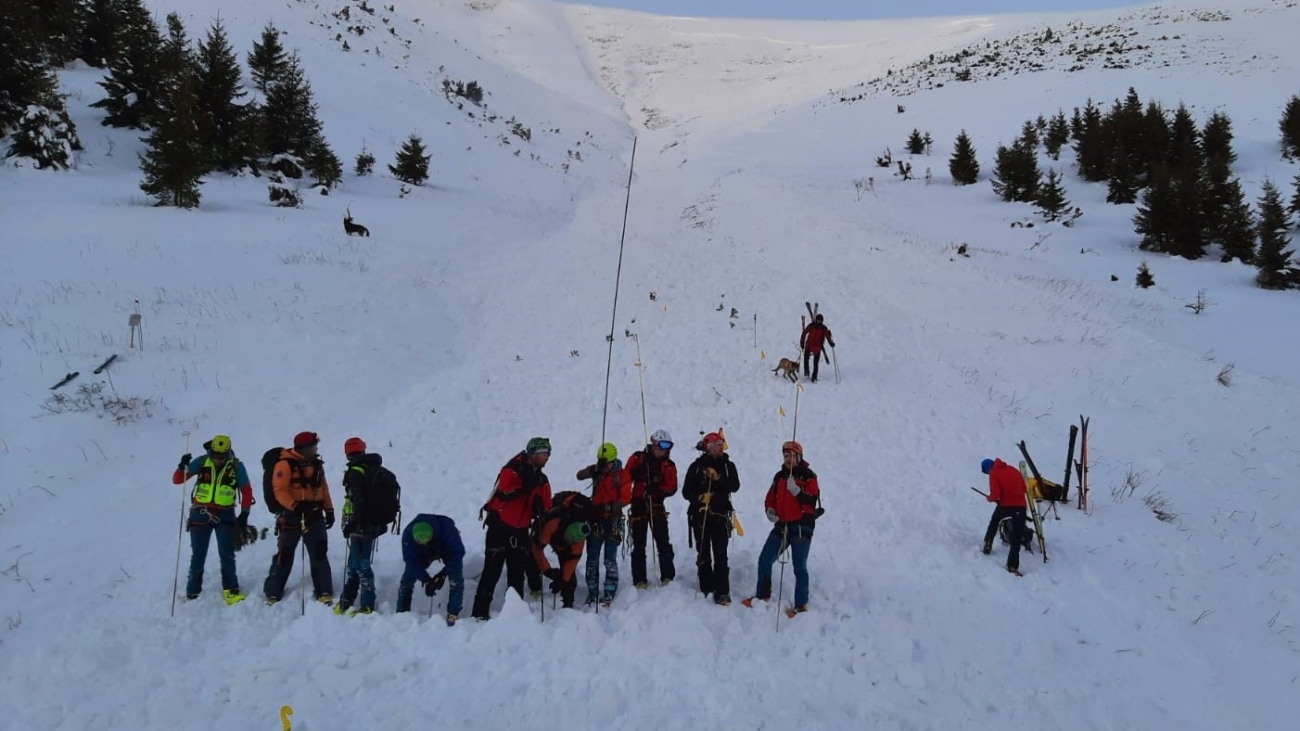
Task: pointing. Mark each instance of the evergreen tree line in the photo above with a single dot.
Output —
(1179, 174)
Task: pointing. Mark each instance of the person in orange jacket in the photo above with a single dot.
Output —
(221, 480)
(1007, 489)
(304, 494)
(791, 504)
(565, 531)
(611, 492)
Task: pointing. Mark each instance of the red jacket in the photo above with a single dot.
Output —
(794, 508)
(1006, 486)
(613, 488)
(813, 335)
(522, 491)
(660, 476)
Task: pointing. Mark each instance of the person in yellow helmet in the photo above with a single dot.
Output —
(611, 491)
(220, 480)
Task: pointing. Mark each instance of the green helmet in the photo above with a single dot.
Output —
(607, 453)
(576, 533)
(422, 532)
(538, 444)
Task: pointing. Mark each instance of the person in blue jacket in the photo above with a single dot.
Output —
(426, 539)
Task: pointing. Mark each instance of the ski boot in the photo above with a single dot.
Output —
(451, 620)
(722, 600)
(642, 585)
(342, 606)
(988, 548)
(326, 599)
(794, 611)
(232, 596)
(749, 601)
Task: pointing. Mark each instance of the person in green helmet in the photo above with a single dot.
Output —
(611, 491)
(521, 493)
(564, 528)
(426, 539)
(221, 479)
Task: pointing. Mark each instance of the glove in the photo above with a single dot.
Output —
(711, 473)
(706, 498)
(347, 529)
(242, 520)
(793, 486)
(557, 586)
(553, 574)
(439, 579)
(185, 462)
(771, 514)
(832, 343)
(429, 587)
(329, 519)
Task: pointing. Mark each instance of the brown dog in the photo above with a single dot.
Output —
(789, 369)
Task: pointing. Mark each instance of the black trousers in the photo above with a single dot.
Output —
(816, 362)
(712, 533)
(315, 537)
(509, 548)
(658, 528)
(1017, 516)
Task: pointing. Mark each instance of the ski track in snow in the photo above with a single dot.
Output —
(446, 341)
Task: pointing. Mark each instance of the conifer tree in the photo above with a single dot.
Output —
(136, 76)
(1122, 182)
(1051, 202)
(1058, 135)
(1234, 226)
(1184, 141)
(1295, 199)
(1028, 135)
(412, 165)
(1155, 215)
(1155, 139)
(291, 126)
(1076, 124)
(102, 24)
(365, 163)
(1015, 174)
(226, 124)
(1090, 149)
(963, 165)
(177, 57)
(326, 168)
(1226, 216)
(1145, 279)
(915, 142)
(1216, 142)
(268, 61)
(1273, 257)
(32, 112)
(1290, 127)
(175, 159)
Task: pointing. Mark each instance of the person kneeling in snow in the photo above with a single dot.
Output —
(1007, 489)
(791, 504)
(426, 539)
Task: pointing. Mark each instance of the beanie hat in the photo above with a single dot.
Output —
(220, 444)
(607, 453)
(354, 445)
(306, 439)
(986, 466)
(538, 444)
(422, 532)
(795, 447)
(576, 533)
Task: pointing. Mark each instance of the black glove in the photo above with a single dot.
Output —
(429, 588)
(185, 462)
(347, 529)
(329, 519)
(439, 579)
(553, 574)
(242, 520)
(557, 586)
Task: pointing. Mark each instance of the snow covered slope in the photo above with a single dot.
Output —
(476, 317)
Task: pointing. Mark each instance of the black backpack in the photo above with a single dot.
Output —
(570, 506)
(269, 461)
(378, 499)
(1026, 533)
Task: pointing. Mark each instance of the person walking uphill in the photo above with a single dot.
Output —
(611, 491)
(1007, 489)
(522, 492)
(371, 502)
(426, 539)
(709, 483)
(220, 478)
(654, 478)
(811, 342)
(307, 514)
(791, 504)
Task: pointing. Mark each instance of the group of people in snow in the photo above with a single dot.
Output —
(522, 520)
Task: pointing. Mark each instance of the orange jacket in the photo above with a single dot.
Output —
(297, 479)
(568, 554)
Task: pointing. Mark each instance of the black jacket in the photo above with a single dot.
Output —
(696, 484)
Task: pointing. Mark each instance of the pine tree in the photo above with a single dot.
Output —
(1184, 141)
(100, 32)
(1058, 135)
(1076, 124)
(136, 76)
(1234, 227)
(1295, 199)
(412, 164)
(1015, 174)
(1123, 179)
(326, 168)
(1051, 202)
(32, 112)
(1028, 135)
(226, 125)
(1216, 142)
(268, 61)
(57, 26)
(1090, 149)
(915, 142)
(1155, 140)
(1145, 279)
(1273, 258)
(1290, 127)
(177, 57)
(290, 123)
(1155, 215)
(365, 163)
(963, 166)
(175, 159)
(1226, 216)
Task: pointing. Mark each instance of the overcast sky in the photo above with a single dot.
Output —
(849, 9)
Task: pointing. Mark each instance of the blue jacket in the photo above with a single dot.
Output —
(445, 546)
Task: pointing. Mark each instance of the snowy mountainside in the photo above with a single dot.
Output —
(475, 317)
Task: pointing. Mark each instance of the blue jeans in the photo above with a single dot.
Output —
(800, 540)
(358, 575)
(203, 523)
(413, 573)
(610, 546)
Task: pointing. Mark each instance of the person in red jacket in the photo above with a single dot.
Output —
(811, 342)
(654, 477)
(791, 504)
(521, 494)
(1007, 489)
(611, 491)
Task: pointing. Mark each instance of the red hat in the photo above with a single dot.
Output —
(354, 445)
(792, 446)
(306, 439)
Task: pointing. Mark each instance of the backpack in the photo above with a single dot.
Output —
(378, 500)
(1026, 533)
(269, 460)
(570, 506)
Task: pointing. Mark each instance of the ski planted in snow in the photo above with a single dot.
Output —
(1029, 499)
(1069, 464)
(1081, 467)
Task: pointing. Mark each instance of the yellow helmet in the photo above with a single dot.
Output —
(221, 444)
(607, 453)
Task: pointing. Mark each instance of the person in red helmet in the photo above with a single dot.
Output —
(708, 486)
(371, 505)
(1007, 489)
(791, 504)
(307, 515)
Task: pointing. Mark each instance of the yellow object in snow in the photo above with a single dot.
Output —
(735, 521)
(722, 434)
(285, 712)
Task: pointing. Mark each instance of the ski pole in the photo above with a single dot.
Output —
(302, 572)
(985, 494)
(836, 362)
(798, 388)
(180, 529)
(780, 587)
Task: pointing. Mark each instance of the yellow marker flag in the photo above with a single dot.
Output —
(735, 521)
(782, 408)
(762, 355)
(723, 434)
(285, 712)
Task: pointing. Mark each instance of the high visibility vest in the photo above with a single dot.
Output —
(217, 485)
